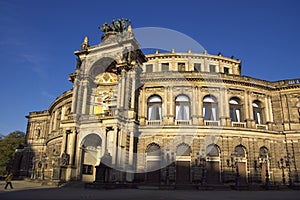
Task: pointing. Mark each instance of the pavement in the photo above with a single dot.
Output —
(31, 191)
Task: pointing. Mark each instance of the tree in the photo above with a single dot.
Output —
(8, 145)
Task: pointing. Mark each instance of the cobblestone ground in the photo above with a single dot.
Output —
(31, 191)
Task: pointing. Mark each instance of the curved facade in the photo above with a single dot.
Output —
(166, 118)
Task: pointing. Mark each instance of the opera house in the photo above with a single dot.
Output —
(164, 118)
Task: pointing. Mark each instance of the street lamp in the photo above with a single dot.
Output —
(167, 169)
(44, 158)
(282, 167)
(233, 163)
(285, 163)
(203, 169)
(265, 159)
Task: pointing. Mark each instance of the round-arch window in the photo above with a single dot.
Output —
(210, 108)
(154, 108)
(182, 107)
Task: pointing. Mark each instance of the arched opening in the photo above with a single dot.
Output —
(239, 158)
(257, 112)
(210, 108)
(153, 163)
(263, 164)
(235, 109)
(182, 106)
(183, 164)
(91, 153)
(154, 108)
(213, 164)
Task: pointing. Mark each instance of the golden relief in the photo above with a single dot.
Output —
(108, 77)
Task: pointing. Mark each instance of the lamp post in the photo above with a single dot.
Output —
(265, 159)
(233, 163)
(44, 158)
(285, 163)
(203, 169)
(167, 169)
(282, 167)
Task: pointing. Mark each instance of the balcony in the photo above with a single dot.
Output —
(182, 122)
(238, 124)
(154, 122)
(211, 123)
(262, 126)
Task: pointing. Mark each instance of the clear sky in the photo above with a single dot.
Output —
(38, 38)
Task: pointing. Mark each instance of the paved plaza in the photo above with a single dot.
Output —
(29, 190)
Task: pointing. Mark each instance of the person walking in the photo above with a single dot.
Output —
(8, 180)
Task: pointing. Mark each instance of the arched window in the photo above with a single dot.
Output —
(235, 110)
(240, 151)
(210, 108)
(153, 150)
(257, 112)
(154, 108)
(182, 103)
(212, 150)
(183, 150)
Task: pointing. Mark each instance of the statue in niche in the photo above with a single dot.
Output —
(65, 158)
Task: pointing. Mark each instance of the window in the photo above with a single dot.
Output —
(257, 112)
(153, 150)
(226, 70)
(182, 103)
(165, 67)
(197, 67)
(181, 67)
(87, 169)
(154, 108)
(210, 107)
(235, 110)
(149, 68)
(212, 68)
(212, 150)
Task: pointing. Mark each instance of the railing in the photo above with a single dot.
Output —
(238, 124)
(262, 126)
(154, 122)
(211, 123)
(182, 122)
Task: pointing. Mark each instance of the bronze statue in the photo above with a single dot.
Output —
(119, 26)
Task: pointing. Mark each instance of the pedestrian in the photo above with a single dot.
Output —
(8, 179)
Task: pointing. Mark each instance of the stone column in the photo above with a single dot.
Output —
(133, 90)
(171, 99)
(267, 113)
(73, 145)
(131, 145)
(193, 103)
(226, 106)
(270, 109)
(200, 107)
(246, 105)
(123, 78)
(165, 111)
(84, 100)
(74, 98)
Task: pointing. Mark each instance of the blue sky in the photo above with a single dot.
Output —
(38, 38)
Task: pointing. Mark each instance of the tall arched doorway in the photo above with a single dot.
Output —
(213, 164)
(153, 159)
(91, 154)
(264, 163)
(240, 158)
(183, 164)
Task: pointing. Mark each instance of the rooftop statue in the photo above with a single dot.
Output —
(119, 26)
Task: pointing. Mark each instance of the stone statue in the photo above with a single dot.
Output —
(85, 43)
(65, 159)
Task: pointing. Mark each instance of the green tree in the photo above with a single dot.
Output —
(8, 145)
